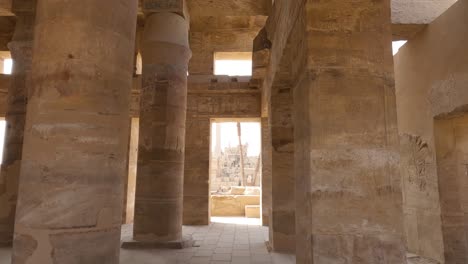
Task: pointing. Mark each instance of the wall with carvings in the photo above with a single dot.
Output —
(207, 99)
(431, 73)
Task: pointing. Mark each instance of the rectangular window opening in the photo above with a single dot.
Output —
(6, 63)
(233, 63)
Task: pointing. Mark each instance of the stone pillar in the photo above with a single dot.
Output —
(70, 190)
(283, 204)
(260, 60)
(266, 171)
(159, 190)
(347, 159)
(21, 52)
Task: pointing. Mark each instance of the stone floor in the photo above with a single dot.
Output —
(225, 241)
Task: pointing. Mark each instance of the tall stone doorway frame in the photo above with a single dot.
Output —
(233, 120)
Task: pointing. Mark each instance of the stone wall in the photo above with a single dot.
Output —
(431, 73)
(345, 132)
(220, 34)
(209, 97)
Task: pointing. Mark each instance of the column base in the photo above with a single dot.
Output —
(186, 242)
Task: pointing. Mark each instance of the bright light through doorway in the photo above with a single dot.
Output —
(396, 45)
(228, 136)
(7, 66)
(235, 171)
(233, 63)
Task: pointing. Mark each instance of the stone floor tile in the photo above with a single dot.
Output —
(222, 257)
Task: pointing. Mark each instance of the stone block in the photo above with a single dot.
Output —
(232, 205)
(252, 211)
(237, 190)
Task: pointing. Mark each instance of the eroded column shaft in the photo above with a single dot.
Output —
(21, 51)
(283, 205)
(70, 190)
(159, 191)
(266, 171)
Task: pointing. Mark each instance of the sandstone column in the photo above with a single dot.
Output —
(283, 204)
(70, 190)
(260, 60)
(21, 51)
(159, 190)
(346, 135)
(266, 171)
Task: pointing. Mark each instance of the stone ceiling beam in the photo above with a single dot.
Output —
(5, 8)
(229, 7)
(411, 16)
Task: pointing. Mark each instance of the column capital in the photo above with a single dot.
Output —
(166, 6)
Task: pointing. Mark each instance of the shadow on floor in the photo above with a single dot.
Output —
(225, 241)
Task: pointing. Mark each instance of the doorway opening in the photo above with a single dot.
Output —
(451, 138)
(235, 171)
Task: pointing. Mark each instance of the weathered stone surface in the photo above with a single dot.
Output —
(411, 16)
(73, 157)
(232, 205)
(252, 211)
(7, 28)
(282, 217)
(266, 171)
(5, 8)
(86, 247)
(206, 100)
(165, 6)
(229, 8)
(206, 43)
(435, 88)
(347, 182)
(21, 50)
(24, 6)
(159, 189)
(342, 145)
(5, 83)
(451, 142)
(25, 246)
(185, 242)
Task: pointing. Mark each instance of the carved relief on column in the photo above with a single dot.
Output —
(160, 176)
